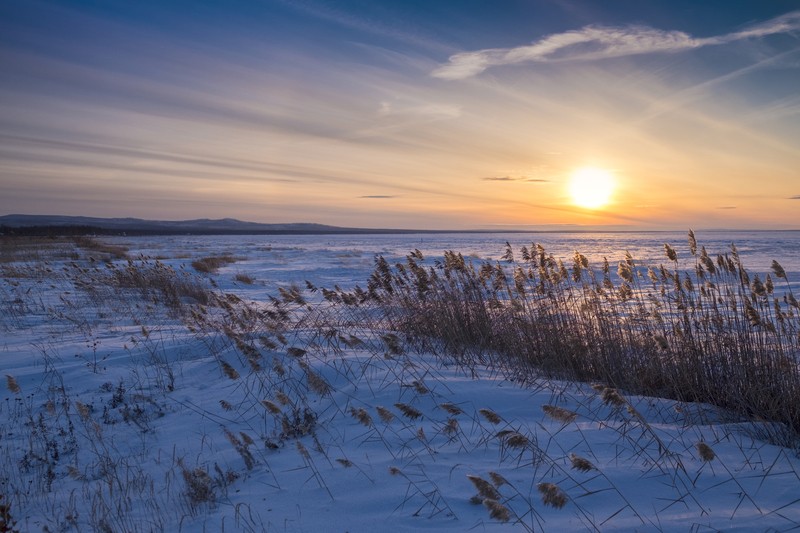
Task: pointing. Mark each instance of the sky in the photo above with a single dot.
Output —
(454, 114)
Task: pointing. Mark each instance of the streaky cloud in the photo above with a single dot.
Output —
(797, 197)
(511, 178)
(378, 196)
(602, 42)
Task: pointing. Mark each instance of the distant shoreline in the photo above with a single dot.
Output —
(54, 225)
(70, 231)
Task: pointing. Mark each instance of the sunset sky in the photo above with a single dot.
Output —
(447, 114)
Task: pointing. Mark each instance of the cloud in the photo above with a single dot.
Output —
(797, 197)
(601, 42)
(727, 207)
(437, 111)
(511, 178)
(381, 196)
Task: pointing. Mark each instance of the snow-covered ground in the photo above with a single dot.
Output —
(123, 414)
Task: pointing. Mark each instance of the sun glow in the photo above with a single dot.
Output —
(591, 187)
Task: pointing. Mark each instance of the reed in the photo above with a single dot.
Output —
(695, 329)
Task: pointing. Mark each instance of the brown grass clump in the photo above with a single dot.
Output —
(282, 398)
(559, 413)
(105, 251)
(490, 416)
(581, 464)
(12, 384)
(552, 495)
(611, 396)
(497, 510)
(244, 278)
(408, 411)
(451, 408)
(199, 486)
(316, 382)
(361, 415)
(272, 407)
(485, 489)
(152, 279)
(451, 427)
(83, 410)
(242, 445)
(386, 415)
(514, 439)
(419, 387)
(705, 451)
(302, 450)
(209, 265)
(228, 370)
(497, 479)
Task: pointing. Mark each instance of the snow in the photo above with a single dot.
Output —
(125, 419)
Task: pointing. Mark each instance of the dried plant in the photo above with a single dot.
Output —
(12, 384)
(552, 495)
(408, 411)
(386, 415)
(485, 489)
(361, 415)
(581, 464)
(272, 407)
(315, 382)
(199, 485)
(611, 396)
(490, 416)
(497, 479)
(705, 451)
(228, 370)
(514, 439)
(559, 413)
(497, 510)
(451, 408)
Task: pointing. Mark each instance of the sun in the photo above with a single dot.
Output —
(591, 187)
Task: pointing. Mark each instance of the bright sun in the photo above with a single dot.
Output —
(591, 187)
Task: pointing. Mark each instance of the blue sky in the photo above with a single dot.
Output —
(448, 114)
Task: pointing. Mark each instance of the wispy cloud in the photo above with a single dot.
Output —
(794, 197)
(512, 178)
(440, 111)
(378, 196)
(600, 42)
(727, 207)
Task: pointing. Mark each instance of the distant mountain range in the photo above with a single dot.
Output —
(53, 224)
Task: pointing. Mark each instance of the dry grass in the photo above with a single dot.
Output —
(700, 339)
(707, 332)
(210, 264)
(241, 277)
(101, 250)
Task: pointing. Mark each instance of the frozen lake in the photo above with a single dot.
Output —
(348, 259)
